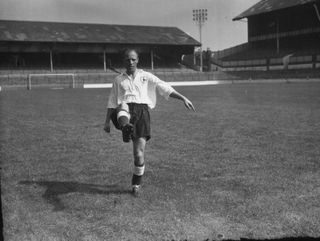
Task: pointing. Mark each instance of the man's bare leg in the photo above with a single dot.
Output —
(139, 145)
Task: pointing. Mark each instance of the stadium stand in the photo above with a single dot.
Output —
(283, 40)
(92, 52)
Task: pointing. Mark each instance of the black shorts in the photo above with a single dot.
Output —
(140, 119)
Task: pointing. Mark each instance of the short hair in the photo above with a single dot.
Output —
(127, 51)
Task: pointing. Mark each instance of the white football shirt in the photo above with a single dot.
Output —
(141, 90)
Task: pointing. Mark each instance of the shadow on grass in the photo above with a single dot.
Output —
(245, 239)
(55, 189)
(280, 239)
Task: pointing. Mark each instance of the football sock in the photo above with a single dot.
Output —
(123, 115)
(138, 172)
(136, 180)
(123, 118)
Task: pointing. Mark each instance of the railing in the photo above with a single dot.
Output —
(292, 61)
(284, 34)
(277, 74)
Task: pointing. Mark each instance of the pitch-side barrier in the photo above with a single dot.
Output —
(190, 83)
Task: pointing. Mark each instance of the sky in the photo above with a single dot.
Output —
(219, 31)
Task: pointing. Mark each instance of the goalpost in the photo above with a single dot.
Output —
(51, 80)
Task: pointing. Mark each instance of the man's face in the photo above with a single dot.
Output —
(130, 61)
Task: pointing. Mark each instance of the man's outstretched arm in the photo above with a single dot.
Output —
(176, 95)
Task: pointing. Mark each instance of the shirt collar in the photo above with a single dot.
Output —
(138, 71)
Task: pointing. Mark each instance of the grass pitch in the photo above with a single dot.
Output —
(245, 165)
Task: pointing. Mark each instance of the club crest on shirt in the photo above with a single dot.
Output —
(143, 79)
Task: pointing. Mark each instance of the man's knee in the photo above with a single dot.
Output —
(123, 106)
(123, 111)
(138, 157)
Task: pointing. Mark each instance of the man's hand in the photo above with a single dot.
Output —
(185, 100)
(189, 104)
(107, 127)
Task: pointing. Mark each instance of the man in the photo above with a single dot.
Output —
(132, 94)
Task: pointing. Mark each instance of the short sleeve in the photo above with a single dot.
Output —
(164, 88)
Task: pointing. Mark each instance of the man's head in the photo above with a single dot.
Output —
(131, 59)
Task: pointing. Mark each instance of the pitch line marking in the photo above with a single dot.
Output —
(182, 83)
(216, 82)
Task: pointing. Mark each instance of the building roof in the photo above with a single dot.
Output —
(265, 6)
(29, 31)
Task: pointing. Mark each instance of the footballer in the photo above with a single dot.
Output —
(133, 93)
